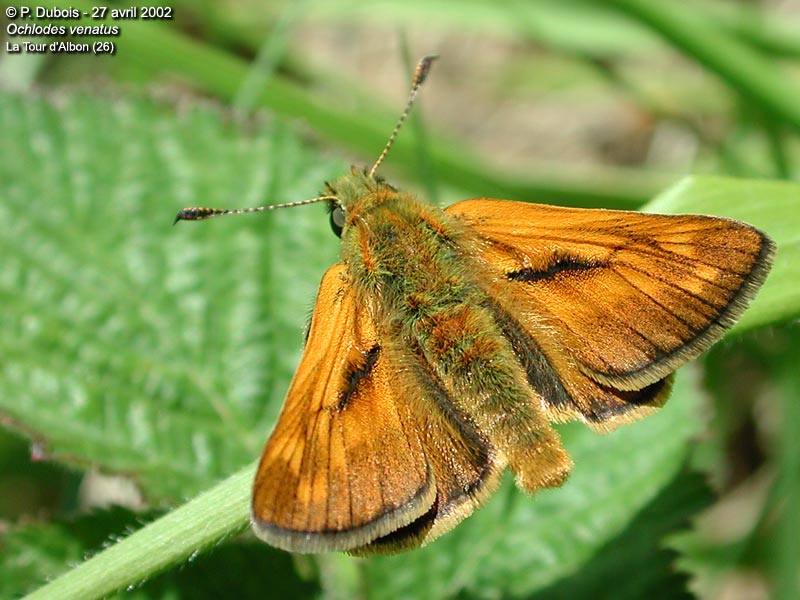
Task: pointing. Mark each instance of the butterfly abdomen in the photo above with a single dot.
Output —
(478, 368)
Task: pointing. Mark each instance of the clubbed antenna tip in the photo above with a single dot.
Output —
(420, 75)
(198, 213)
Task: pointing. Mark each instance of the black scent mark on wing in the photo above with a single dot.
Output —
(558, 265)
(356, 371)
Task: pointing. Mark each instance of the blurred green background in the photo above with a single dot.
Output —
(142, 363)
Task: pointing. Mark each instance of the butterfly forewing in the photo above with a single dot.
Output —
(345, 464)
(616, 300)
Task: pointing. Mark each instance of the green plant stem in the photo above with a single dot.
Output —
(739, 66)
(217, 514)
(158, 50)
(785, 560)
(779, 40)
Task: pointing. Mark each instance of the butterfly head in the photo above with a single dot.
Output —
(351, 195)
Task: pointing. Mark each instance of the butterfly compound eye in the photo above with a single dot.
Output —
(337, 220)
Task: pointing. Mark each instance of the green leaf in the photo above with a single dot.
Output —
(33, 552)
(158, 351)
(635, 564)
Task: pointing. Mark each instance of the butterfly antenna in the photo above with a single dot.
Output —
(420, 74)
(197, 213)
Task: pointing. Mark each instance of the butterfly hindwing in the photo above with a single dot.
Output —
(466, 466)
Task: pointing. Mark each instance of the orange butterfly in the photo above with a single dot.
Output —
(445, 342)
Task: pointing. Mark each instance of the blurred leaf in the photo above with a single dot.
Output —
(783, 553)
(570, 24)
(698, 36)
(164, 52)
(763, 539)
(635, 564)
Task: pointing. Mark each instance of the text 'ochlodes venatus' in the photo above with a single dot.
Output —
(446, 341)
